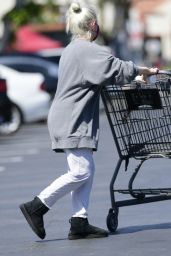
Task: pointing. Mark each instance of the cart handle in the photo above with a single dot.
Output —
(164, 72)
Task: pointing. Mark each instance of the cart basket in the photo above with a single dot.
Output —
(140, 116)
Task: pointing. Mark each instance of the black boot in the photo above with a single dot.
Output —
(33, 212)
(80, 228)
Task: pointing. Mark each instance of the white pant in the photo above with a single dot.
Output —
(78, 181)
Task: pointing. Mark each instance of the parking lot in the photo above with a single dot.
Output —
(27, 165)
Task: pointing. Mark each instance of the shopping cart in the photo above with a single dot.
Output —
(140, 120)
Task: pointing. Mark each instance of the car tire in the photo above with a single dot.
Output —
(14, 124)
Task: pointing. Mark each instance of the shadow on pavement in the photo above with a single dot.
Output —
(134, 229)
(51, 240)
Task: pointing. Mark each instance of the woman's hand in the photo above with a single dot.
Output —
(144, 72)
(147, 71)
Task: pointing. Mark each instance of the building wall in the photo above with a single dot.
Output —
(159, 23)
(156, 17)
(6, 6)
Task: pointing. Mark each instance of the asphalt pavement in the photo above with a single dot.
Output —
(27, 165)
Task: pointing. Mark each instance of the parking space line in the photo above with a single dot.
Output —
(16, 159)
(2, 168)
(18, 152)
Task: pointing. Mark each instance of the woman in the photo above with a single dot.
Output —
(73, 120)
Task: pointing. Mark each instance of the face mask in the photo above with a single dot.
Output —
(95, 29)
(96, 33)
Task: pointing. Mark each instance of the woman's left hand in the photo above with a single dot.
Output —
(144, 72)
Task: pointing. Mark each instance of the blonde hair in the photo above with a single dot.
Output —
(78, 19)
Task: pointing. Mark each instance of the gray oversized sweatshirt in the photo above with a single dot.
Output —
(84, 67)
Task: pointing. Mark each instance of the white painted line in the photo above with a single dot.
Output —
(10, 153)
(16, 159)
(32, 152)
(2, 168)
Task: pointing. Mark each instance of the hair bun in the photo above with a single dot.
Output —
(75, 7)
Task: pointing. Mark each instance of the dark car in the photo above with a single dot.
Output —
(34, 64)
(5, 103)
(10, 118)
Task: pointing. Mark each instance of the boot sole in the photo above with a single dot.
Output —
(29, 220)
(89, 236)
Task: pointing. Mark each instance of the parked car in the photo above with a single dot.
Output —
(26, 91)
(37, 37)
(29, 39)
(5, 104)
(33, 64)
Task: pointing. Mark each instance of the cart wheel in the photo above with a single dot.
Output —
(112, 220)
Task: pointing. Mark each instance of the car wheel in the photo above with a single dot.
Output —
(14, 124)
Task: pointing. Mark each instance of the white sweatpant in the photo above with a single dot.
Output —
(78, 180)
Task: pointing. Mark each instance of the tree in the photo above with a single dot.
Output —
(26, 12)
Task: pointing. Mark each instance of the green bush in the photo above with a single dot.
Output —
(31, 12)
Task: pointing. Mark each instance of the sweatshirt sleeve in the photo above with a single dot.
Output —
(100, 67)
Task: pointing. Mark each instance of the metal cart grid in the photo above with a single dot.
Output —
(140, 120)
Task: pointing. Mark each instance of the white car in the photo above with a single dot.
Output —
(31, 102)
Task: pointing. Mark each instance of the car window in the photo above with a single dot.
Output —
(34, 65)
(27, 68)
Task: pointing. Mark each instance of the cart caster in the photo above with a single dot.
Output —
(112, 220)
